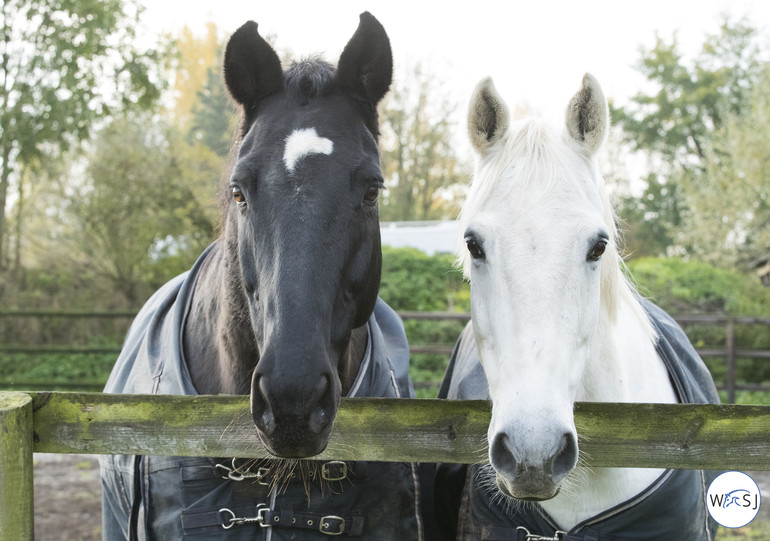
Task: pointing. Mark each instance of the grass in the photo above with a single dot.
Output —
(758, 398)
(757, 530)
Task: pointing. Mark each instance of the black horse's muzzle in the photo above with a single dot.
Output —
(294, 419)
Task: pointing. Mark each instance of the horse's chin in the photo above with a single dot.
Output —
(528, 488)
(293, 447)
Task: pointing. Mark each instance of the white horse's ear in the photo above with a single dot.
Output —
(488, 116)
(588, 115)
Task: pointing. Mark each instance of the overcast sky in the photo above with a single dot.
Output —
(536, 51)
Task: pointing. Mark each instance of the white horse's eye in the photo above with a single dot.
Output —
(474, 247)
(597, 250)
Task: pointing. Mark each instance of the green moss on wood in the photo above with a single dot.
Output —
(16, 489)
(611, 435)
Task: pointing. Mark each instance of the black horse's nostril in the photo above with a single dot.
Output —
(261, 412)
(322, 405)
(565, 458)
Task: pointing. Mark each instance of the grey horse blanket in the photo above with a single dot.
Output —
(650, 515)
(171, 498)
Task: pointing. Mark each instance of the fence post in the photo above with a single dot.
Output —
(730, 351)
(16, 487)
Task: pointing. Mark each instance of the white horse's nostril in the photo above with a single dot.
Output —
(565, 459)
(503, 457)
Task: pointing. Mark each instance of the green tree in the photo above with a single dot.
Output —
(728, 222)
(651, 222)
(676, 123)
(63, 64)
(195, 56)
(146, 209)
(420, 164)
(692, 99)
(214, 120)
(202, 108)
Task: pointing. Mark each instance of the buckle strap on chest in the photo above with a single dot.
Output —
(334, 470)
(265, 517)
(352, 525)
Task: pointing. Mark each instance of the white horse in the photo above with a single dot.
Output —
(554, 318)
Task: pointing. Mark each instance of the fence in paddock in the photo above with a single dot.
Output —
(611, 435)
(731, 350)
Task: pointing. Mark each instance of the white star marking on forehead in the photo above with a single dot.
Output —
(303, 142)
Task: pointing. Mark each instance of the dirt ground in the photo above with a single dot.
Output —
(68, 499)
(68, 504)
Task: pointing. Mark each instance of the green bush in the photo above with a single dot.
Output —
(415, 281)
(51, 371)
(692, 287)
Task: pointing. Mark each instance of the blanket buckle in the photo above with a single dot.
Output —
(335, 470)
(325, 525)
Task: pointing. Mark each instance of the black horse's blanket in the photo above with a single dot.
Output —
(673, 507)
(170, 498)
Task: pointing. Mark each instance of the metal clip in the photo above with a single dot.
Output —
(324, 526)
(234, 520)
(535, 537)
(236, 474)
(328, 474)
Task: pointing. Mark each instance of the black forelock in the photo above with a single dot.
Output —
(315, 78)
(310, 78)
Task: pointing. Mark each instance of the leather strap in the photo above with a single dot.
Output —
(327, 524)
(334, 470)
(281, 517)
(133, 521)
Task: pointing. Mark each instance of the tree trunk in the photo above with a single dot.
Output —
(5, 174)
(18, 228)
(5, 139)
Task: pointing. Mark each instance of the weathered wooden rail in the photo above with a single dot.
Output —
(611, 435)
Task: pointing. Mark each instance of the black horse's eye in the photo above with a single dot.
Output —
(474, 247)
(372, 194)
(597, 250)
(238, 196)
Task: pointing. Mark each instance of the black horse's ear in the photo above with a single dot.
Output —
(252, 68)
(365, 68)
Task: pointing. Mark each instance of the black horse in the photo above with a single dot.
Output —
(283, 306)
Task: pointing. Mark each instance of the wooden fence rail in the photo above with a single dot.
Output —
(610, 435)
(414, 430)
